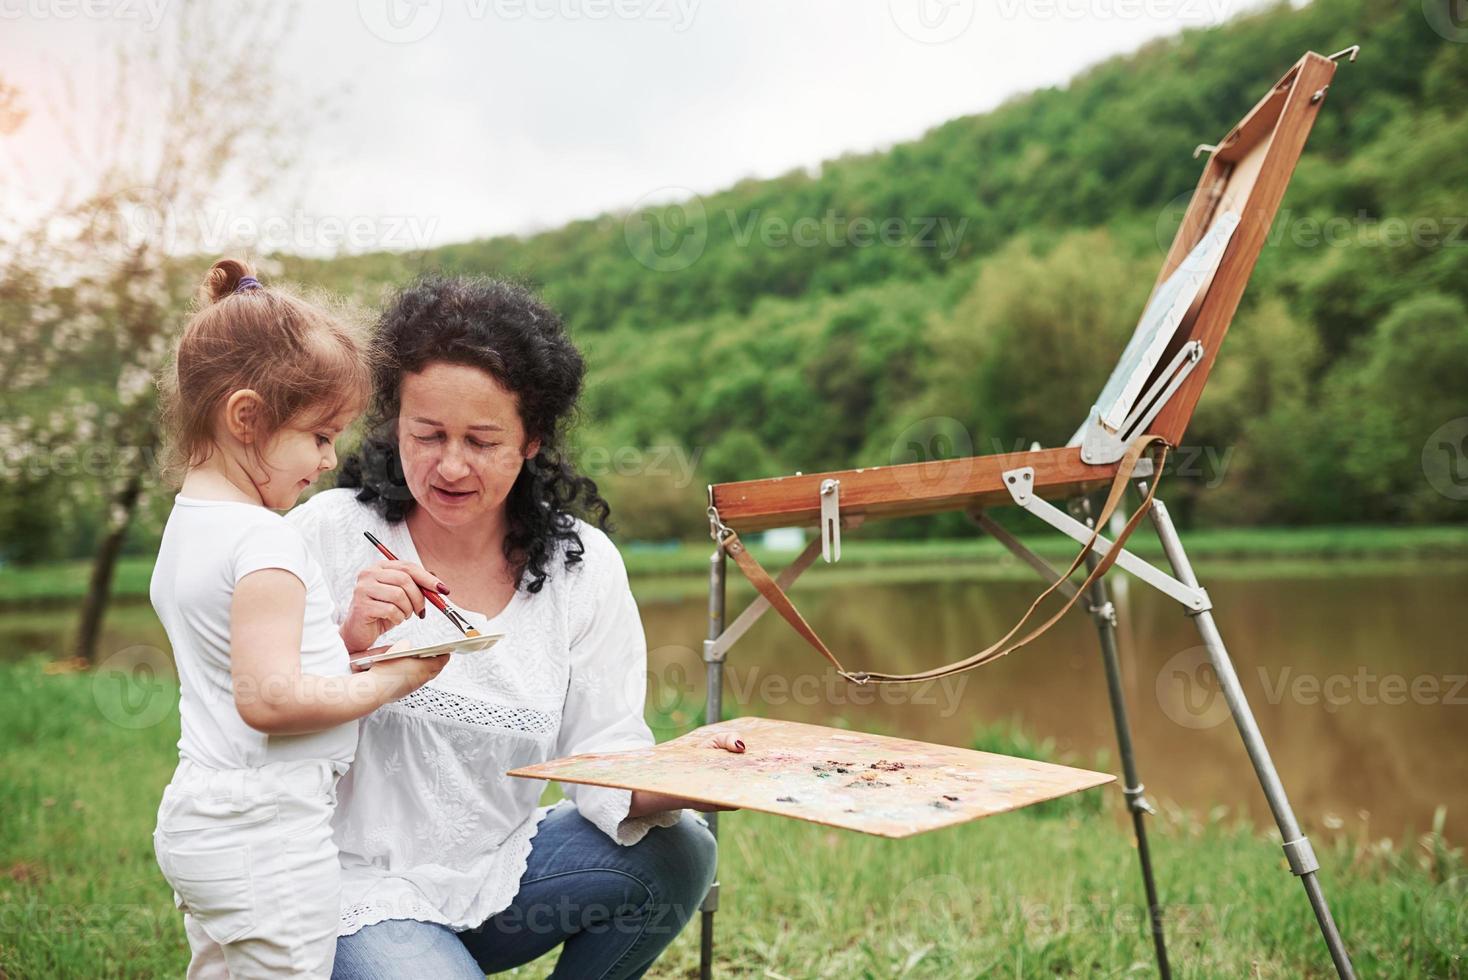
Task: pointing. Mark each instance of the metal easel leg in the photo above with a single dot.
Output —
(713, 712)
(1103, 614)
(1298, 852)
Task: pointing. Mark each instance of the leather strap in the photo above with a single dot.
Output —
(777, 598)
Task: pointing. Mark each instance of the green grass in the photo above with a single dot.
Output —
(1206, 544)
(1050, 891)
(22, 585)
(668, 571)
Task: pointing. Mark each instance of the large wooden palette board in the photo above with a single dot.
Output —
(876, 784)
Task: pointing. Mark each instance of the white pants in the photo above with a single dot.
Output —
(253, 867)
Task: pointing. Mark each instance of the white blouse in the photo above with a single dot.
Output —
(428, 824)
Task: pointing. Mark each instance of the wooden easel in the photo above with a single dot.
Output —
(1245, 177)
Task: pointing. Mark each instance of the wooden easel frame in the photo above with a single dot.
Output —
(1250, 167)
(1247, 173)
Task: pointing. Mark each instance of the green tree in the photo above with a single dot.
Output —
(96, 287)
(1028, 348)
(1384, 401)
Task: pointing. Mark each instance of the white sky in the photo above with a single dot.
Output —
(465, 118)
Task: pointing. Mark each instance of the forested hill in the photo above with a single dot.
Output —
(987, 272)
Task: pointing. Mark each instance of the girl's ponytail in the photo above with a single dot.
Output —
(227, 277)
(304, 361)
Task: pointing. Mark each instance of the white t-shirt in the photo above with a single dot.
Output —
(207, 547)
(428, 824)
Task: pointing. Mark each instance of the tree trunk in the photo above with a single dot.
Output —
(104, 563)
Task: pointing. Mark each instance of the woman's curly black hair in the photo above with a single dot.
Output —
(506, 331)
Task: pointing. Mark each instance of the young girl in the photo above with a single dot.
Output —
(261, 385)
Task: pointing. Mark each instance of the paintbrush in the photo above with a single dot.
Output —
(443, 606)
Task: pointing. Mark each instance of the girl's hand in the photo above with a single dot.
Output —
(405, 675)
(272, 693)
(385, 595)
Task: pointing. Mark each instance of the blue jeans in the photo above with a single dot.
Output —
(614, 908)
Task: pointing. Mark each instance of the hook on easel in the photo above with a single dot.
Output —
(1349, 54)
(831, 520)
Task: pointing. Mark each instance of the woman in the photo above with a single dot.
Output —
(449, 867)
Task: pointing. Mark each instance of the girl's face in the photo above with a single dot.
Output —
(461, 441)
(294, 457)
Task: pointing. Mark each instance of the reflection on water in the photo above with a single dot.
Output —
(1359, 683)
(51, 629)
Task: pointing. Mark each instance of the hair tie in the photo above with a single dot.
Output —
(246, 283)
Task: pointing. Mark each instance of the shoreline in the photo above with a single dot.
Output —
(662, 572)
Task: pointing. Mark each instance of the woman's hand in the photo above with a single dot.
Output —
(385, 595)
(725, 740)
(644, 802)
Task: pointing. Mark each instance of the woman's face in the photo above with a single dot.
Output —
(462, 442)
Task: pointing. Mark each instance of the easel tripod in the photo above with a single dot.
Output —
(1152, 393)
(1297, 848)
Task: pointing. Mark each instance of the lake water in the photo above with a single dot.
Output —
(1359, 681)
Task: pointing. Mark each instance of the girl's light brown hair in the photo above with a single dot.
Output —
(307, 364)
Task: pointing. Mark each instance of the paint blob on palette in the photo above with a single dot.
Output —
(890, 787)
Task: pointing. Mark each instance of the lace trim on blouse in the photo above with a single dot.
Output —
(449, 706)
